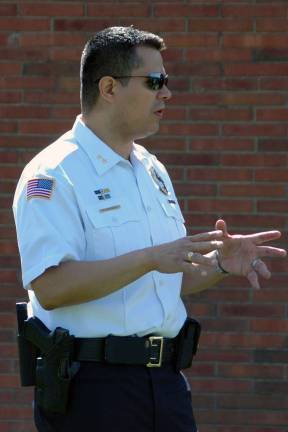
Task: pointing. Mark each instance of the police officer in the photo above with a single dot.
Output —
(104, 250)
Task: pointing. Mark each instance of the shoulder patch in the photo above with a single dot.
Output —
(40, 188)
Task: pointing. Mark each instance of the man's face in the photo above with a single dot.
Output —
(139, 109)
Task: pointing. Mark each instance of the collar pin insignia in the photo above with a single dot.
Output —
(159, 181)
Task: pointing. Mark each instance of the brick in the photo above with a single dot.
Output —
(52, 39)
(186, 10)
(274, 175)
(256, 69)
(51, 9)
(24, 141)
(255, 129)
(195, 190)
(252, 190)
(251, 310)
(274, 387)
(262, 10)
(223, 144)
(255, 160)
(275, 114)
(64, 54)
(24, 111)
(222, 355)
(56, 69)
(227, 295)
(15, 412)
(44, 126)
(217, 385)
(8, 97)
(59, 98)
(24, 24)
(266, 295)
(220, 25)
(195, 99)
(250, 371)
(203, 309)
(216, 205)
(253, 401)
(112, 10)
(8, 10)
(256, 41)
(273, 206)
(274, 145)
(218, 55)
(190, 40)
(165, 25)
(271, 25)
(271, 355)
(84, 24)
(8, 156)
(219, 174)
(158, 143)
(189, 129)
(195, 69)
(24, 54)
(224, 84)
(234, 325)
(8, 126)
(253, 98)
(274, 83)
(10, 68)
(269, 325)
(27, 83)
(220, 114)
(173, 54)
(270, 55)
(242, 340)
(10, 381)
(11, 172)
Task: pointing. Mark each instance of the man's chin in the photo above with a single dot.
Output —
(150, 132)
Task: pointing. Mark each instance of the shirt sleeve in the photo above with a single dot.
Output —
(49, 228)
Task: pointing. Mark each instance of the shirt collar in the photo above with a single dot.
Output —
(100, 154)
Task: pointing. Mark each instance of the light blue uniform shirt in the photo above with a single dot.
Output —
(96, 206)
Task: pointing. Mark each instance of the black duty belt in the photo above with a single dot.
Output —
(150, 351)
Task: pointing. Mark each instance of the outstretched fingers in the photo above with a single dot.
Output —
(270, 251)
(263, 237)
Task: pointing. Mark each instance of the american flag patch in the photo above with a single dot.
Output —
(40, 188)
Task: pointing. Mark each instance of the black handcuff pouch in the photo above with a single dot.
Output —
(187, 343)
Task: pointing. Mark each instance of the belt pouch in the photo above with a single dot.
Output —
(187, 343)
(54, 372)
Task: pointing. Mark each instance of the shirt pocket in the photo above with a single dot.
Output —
(173, 218)
(115, 227)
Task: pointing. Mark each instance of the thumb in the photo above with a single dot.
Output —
(221, 225)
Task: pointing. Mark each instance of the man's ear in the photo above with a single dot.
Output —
(107, 86)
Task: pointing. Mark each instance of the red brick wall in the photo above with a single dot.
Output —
(224, 140)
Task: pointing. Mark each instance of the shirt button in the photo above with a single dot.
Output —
(114, 219)
(161, 282)
(148, 208)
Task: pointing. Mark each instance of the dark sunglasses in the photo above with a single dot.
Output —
(154, 81)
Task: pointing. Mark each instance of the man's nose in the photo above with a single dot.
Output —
(165, 93)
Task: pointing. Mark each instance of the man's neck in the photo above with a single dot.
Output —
(109, 135)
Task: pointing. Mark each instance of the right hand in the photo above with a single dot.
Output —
(174, 257)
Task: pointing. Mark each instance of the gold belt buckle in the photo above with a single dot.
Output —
(156, 341)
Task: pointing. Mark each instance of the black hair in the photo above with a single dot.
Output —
(111, 52)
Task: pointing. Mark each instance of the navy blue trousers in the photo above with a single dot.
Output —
(120, 398)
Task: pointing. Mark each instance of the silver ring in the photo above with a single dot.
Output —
(190, 256)
(254, 263)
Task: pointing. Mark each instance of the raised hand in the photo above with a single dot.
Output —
(242, 254)
(178, 255)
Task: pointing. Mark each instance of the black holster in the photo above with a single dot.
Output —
(46, 360)
(187, 342)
